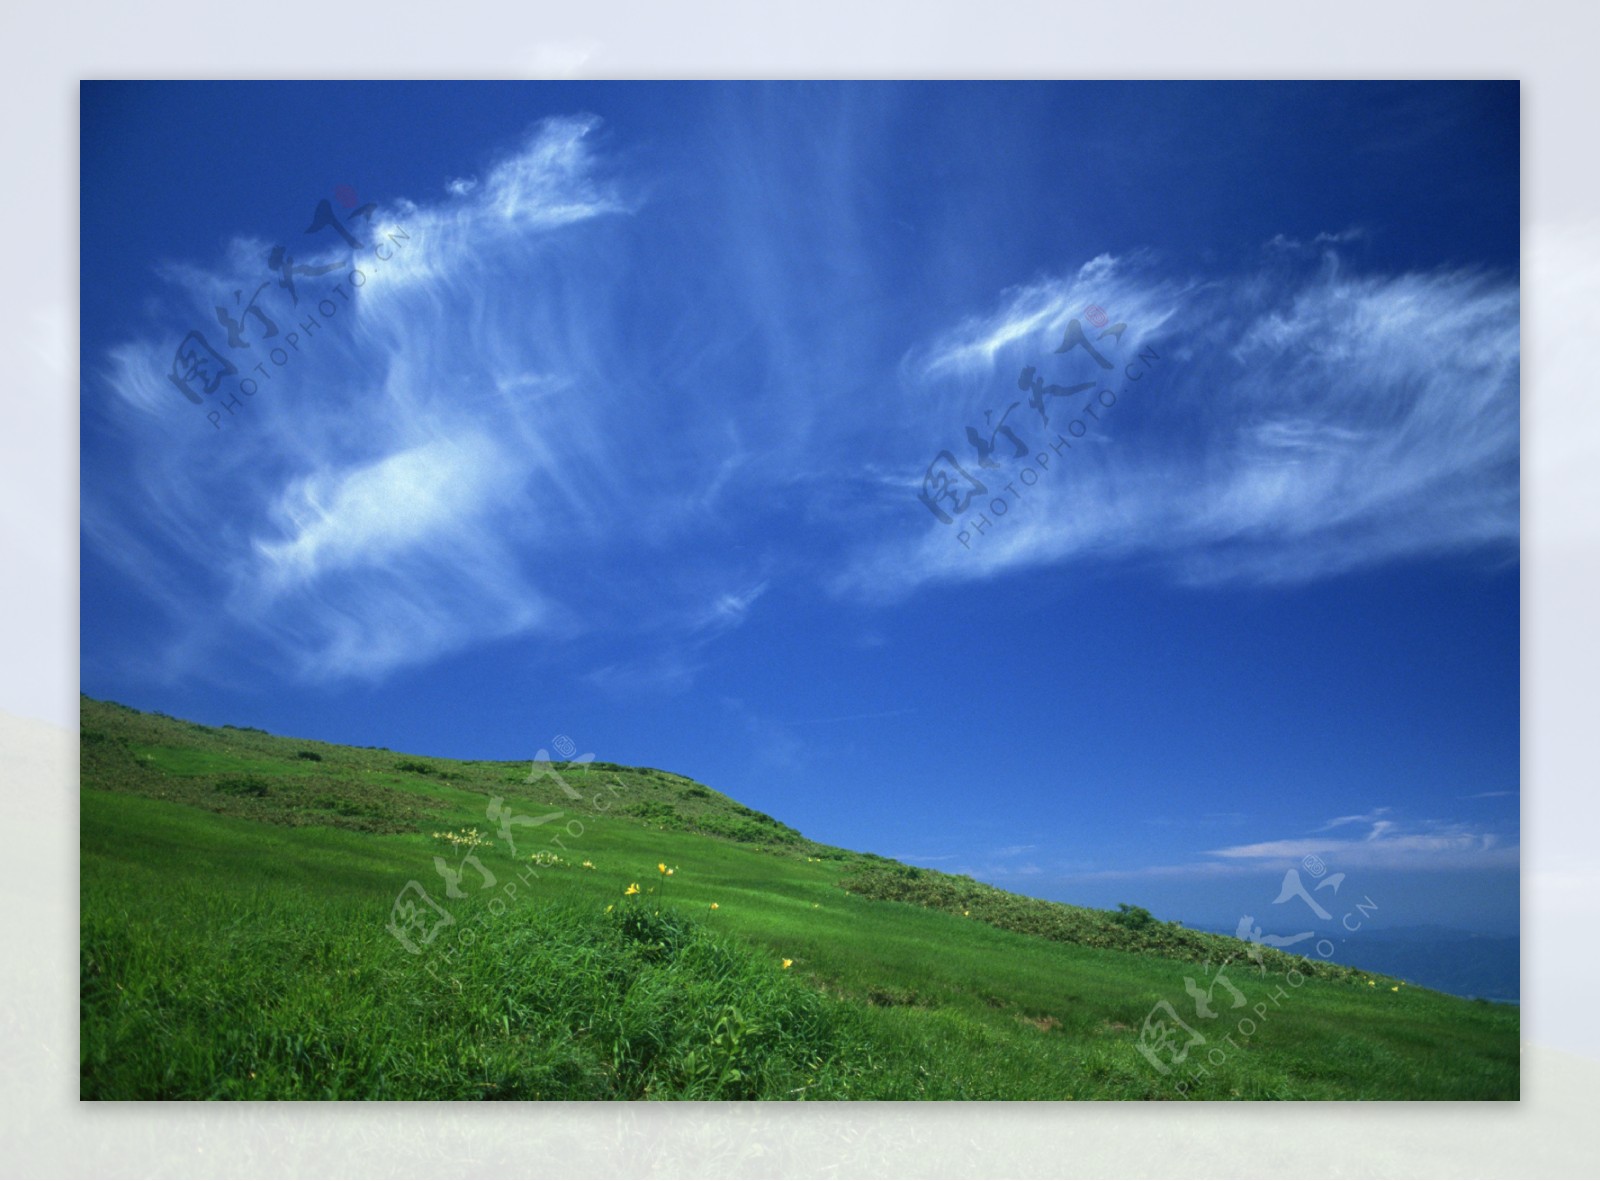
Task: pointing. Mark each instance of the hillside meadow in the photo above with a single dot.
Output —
(275, 918)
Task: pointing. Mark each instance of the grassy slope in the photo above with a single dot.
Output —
(235, 895)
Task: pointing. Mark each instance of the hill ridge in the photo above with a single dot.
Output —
(241, 893)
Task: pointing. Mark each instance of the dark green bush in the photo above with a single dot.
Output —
(659, 935)
(246, 785)
(746, 831)
(1135, 918)
(652, 810)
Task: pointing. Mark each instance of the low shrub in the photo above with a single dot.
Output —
(1135, 918)
(652, 810)
(1132, 928)
(245, 785)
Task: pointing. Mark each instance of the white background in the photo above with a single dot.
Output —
(45, 1131)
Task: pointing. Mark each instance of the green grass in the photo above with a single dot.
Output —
(235, 945)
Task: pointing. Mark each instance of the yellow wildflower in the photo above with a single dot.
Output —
(588, 865)
(714, 906)
(787, 963)
(633, 888)
(1394, 988)
(662, 867)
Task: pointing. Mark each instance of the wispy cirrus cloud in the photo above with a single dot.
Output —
(1387, 846)
(1305, 421)
(729, 609)
(1373, 818)
(675, 657)
(403, 487)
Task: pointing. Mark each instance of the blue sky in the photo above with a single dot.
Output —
(621, 437)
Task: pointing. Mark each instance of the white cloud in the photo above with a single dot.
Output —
(1293, 429)
(371, 514)
(1373, 817)
(1324, 238)
(382, 497)
(1387, 845)
(1015, 850)
(729, 609)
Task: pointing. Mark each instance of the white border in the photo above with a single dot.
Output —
(44, 1131)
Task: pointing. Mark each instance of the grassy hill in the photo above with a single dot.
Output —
(249, 930)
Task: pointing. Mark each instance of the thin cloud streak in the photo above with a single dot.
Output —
(1387, 845)
(1302, 424)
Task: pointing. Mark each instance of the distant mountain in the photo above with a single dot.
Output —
(1462, 963)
